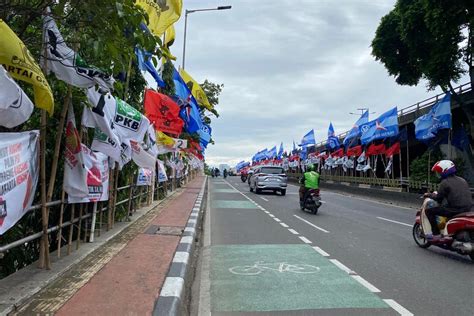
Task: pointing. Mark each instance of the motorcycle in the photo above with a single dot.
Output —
(243, 177)
(312, 201)
(458, 232)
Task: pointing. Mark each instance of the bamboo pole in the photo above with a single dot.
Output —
(78, 240)
(115, 193)
(60, 233)
(130, 196)
(94, 218)
(71, 230)
(44, 260)
(111, 197)
(101, 215)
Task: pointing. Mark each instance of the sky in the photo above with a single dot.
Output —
(287, 67)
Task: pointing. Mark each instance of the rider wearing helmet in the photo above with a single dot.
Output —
(310, 180)
(455, 190)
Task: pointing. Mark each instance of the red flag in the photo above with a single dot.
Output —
(393, 150)
(338, 153)
(375, 150)
(355, 151)
(163, 112)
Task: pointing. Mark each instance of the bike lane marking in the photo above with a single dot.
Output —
(393, 221)
(399, 308)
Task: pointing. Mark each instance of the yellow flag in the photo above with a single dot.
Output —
(161, 13)
(170, 36)
(18, 61)
(164, 139)
(196, 90)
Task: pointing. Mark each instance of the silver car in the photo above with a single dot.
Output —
(272, 178)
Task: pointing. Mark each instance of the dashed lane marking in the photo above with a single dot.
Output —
(284, 225)
(393, 221)
(311, 224)
(263, 198)
(365, 283)
(321, 252)
(294, 232)
(338, 264)
(305, 240)
(399, 308)
(277, 219)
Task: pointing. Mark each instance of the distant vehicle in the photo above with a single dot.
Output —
(249, 174)
(312, 201)
(272, 178)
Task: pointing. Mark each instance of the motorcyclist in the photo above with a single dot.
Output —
(225, 173)
(455, 190)
(310, 180)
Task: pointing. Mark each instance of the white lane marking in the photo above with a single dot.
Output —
(311, 224)
(284, 225)
(392, 221)
(264, 198)
(365, 283)
(277, 219)
(267, 212)
(261, 208)
(338, 264)
(271, 215)
(399, 308)
(294, 232)
(321, 252)
(305, 240)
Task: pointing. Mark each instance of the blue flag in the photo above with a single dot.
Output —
(333, 141)
(145, 64)
(308, 139)
(272, 153)
(439, 117)
(205, 134)
(304, 153)
(386, 125)
(355, 131)
(189, 109)
(261, 155)
(280, 151)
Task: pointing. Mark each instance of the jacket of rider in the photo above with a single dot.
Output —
(456, 192)
(310, 180)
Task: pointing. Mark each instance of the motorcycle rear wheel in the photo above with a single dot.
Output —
(419, 239)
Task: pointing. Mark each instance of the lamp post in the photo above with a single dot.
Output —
(227, 7)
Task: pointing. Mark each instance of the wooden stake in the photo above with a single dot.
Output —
(130, 197)
(111, 202)
(71, 230)
(78, 240)
(44, 261)
(115, 193)
(101, 214)
(94, 217)
(60, 233)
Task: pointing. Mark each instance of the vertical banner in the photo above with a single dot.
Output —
(144, 177)
(19, 171)
(162, 177)
(97, 166)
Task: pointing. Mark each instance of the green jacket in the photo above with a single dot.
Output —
(311, 180)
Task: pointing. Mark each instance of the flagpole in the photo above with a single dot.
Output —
(450, 149)
(408, 161)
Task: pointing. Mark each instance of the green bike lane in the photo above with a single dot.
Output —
(257, 267)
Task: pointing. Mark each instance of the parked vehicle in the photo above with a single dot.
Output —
(458, 232)
(312, 201)
(272, 178)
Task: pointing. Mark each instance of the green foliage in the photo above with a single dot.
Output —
(212, 90)
(426, 39)
(420, 166)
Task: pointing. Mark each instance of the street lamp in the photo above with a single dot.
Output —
(226, 7)
(362, 110)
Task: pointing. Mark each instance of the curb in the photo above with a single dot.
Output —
(172, 293)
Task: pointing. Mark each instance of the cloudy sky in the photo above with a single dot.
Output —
(287, 66)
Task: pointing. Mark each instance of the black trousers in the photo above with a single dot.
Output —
(431, 213)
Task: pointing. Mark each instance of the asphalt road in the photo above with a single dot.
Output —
(264, 256)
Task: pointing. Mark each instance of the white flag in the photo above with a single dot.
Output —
(361, 158)
(388, 169)
(141, 157)
(75, 173)
(162, 177)
(18, 175)
(67, 65)
(15, 106)
(144, 176)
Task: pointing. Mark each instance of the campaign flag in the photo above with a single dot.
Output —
(205, 134)
(150, 143)
(67, 65)
(145, 64)
(196, 90)
(280, 151)
(97, 166)
(374, 149)
(142, 157)
(385, 126)
(189, 108)
(308, 139)
(161, 14)
(338, 153)
(170, 36)
(163, 139)
(393, 150)
(355, 131)
(361, 158)
(19, 172)
(15, 106)
(75, 173)
(19, 63)
(439, 117)
(163, 112)
(144, 176)
(271, 153)
(354, 151)
(304, 153)
(333, 141)
(162, 177)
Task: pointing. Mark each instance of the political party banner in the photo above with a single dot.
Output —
(19, 172)
(15, 106)
(178, 145)
(162, 177)
(97, 166)
(75, 174)
(144, 177)
(141, 157)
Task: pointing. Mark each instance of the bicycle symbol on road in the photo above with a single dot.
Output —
(281, 267)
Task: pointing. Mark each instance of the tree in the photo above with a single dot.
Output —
(429, 39)
(212, 90)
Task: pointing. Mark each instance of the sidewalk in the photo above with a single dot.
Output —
(134, 272)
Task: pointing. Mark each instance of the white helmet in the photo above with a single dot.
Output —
(444, 168)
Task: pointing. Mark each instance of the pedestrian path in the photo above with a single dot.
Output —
(130, 278)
